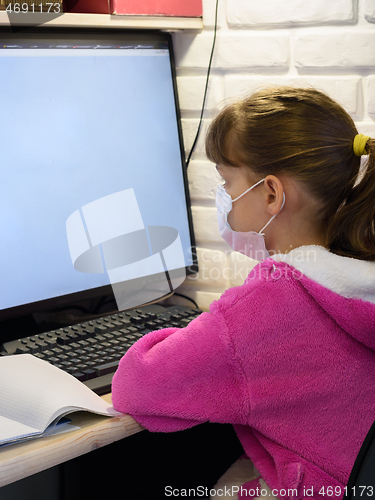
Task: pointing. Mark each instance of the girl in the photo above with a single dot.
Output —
(288, 357)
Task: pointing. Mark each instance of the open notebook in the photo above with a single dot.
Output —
(34, 395)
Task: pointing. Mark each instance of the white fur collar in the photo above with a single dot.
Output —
(351, 278)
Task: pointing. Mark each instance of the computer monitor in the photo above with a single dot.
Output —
(92, 170)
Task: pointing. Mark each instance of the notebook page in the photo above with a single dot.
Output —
(34, 393)
(10, 428)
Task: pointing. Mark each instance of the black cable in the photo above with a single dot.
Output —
(187, 298)
(205, 90)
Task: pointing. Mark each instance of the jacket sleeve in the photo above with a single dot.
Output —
(173, 379)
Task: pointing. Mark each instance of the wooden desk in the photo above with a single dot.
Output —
(24, 459)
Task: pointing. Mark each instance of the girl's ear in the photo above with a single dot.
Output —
(274, 194)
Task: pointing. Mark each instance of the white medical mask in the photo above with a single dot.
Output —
(249, 243)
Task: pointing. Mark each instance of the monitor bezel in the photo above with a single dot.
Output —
(109, 35)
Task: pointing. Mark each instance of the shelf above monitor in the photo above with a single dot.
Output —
(112, 21)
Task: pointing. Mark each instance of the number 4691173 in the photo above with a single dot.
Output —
(33, 7)
(357, 491)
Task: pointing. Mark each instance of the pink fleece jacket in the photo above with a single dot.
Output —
(287, 358)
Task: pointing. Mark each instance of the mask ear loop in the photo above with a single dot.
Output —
(271, 219)
(247, 190)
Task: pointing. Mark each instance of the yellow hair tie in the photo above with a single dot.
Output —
(359, 144)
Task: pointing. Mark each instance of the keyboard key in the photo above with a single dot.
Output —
(124, 331)
(114, 342)
(100, 328)
(92, 364)
(108, 359)
(159, 322)
(132, 329)
(22, 349)
(62, 339)
(81, 367)
(79, 376)
(107, 368)
(136, 320)
(150, 324)
(33, 348)
(51, 341)
(140, 328)
(66, 348)
(183, 314)
(88, 330)
(175, 317)
(99, 338)
(116, 323)
(151, 316)
(110, 327)
(124, 323)
(93, 355)
(82, 343)
(90, 373)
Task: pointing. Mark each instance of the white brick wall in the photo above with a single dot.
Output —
(370, 11)
(350, 50)
(326, 45)
(292, 12)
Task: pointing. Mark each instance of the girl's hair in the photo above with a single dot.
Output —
(305, 134)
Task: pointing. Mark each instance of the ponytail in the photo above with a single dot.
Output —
(351, 230)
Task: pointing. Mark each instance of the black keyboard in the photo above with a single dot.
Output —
(91, 351)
